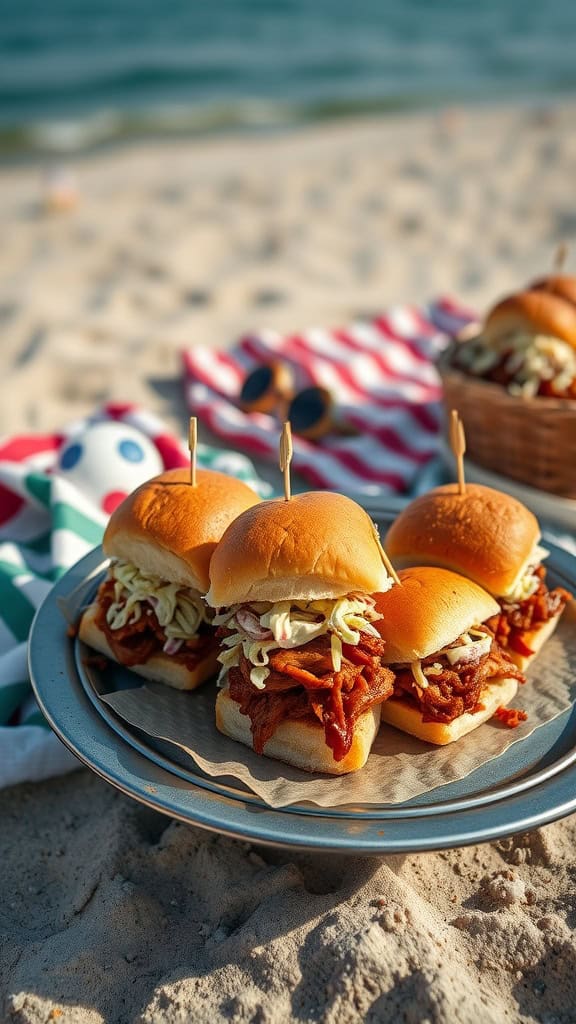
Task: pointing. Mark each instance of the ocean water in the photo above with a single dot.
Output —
(75, 73)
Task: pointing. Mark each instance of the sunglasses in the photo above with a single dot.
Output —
(270, 388)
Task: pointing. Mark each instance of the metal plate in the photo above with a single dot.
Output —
(532, 783)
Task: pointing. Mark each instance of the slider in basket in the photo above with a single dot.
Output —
(514, 384)
(150, 613)
(301, 672)
(494, 540)
(450, 673)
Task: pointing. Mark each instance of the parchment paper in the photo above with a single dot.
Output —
(399, 767)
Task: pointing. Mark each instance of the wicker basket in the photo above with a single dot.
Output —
(528, 439)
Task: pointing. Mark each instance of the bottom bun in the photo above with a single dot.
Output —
(301, 743)
(162, 668)
(535, 640)
(405, 716)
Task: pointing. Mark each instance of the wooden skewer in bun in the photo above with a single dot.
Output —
(561, 285)
(286, 458)
(458, 446)
(193, 448)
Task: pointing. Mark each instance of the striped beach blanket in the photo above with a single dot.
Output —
(382, 377)
(56, 493)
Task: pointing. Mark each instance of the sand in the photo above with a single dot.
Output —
(111, 912)
(114, 913)
(197, 243)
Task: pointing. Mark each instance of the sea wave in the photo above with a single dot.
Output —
(71, 136)
(79, 76)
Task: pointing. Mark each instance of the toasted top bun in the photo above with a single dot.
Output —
(170, 529)
(557, 284)
(539, 312)
(316, 545)
(429, 610)
(483, 534)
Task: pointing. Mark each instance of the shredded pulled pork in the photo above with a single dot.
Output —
(510, 717)
(515, 620)
(136, 642)
(524, 363)
(455, 688)
(303, 685)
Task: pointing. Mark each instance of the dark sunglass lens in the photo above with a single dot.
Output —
(256, 384)
(307, 408)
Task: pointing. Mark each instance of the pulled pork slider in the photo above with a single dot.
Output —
(528, 342)
(495, 540)
(301, 658)
(149, 613)
(450, 673)
(538, 311)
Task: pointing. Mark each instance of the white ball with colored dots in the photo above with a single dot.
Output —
(106, 461)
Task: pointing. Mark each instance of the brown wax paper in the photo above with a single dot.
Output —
(399, 768)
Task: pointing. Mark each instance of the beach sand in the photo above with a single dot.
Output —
(110, 911)
(196, 243)
(114, 913)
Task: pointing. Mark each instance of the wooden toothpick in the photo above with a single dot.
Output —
(560, 257)
(388, 564)
(193, 444)
(458, 445)
(286, 457)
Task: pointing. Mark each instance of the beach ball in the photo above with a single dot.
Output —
(106, 461)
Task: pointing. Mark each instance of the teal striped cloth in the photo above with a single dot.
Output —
(54, 505)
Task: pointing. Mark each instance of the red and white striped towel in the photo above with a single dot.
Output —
(381, 373)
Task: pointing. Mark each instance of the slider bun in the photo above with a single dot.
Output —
(429, 610)
(535, 640)
(301, 743)
(316, 545)
(557, 284)
(161, 667)
(168, 528)
(533, 312)
(483, 534)
(405, 716)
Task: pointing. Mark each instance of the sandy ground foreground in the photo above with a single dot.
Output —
(109, 911)
(113, 913)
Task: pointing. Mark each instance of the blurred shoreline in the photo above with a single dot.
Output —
(91, 73)
(108, 130)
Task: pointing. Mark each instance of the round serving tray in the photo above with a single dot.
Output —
(533, 782)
